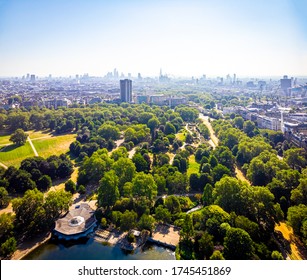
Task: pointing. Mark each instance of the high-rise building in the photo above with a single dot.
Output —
(285, 84)
(126, 90)
(32, 78)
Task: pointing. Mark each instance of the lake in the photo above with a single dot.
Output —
(89, 249)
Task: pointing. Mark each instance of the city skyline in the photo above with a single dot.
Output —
(184, 38)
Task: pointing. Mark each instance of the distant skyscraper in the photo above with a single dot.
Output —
(126, 90)
(32, 78)
(285, 84)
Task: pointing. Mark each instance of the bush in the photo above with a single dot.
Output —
(131, 237)
(103, 222)
(9, 247)
(81, 189)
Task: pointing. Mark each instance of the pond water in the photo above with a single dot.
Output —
(89, 249)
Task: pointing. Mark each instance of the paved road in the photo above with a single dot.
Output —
(3, 165)
(32, 146)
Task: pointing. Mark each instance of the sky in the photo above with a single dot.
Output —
(181, 37)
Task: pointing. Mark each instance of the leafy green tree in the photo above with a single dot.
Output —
(176, 182)
(172, 203)
(30, 212)
(238, 122)
(296, 217)
(125, 171)
(108, 189)
(219, 172)
(128, 220)
(205, 245)
(4, 197)
(296, 158)
(162, 214)
(238, 245)
(21, 181)
(187, 230)
(299, 195)
(140, 163)
(119, 153)
(276, 255)
(8, 247)
(6, 225)
(146, 222)
(19, 137)
(169, 128)
(144, 185)
(92, 169)
(108, 131)
(44, 183)
(248, 128)
(212, 218)
(70, 186)
(208, 195)
(56, 203)
(217, 255)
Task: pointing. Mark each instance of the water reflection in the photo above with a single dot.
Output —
(89, 249)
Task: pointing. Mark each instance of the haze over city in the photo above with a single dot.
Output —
(184, 38)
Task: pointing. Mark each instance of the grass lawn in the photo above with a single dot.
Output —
(5, 139)
(37, 134)
(181, 135)
(13, 155)
(53, 146)
(193, 166)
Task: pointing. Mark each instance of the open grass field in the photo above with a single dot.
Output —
(193, 166)
(14, 155)
(38, 134)
(56, 145)
(5, 140)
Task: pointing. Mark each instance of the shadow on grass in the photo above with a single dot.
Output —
(9, 148)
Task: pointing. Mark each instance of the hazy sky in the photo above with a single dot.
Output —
(184, 38)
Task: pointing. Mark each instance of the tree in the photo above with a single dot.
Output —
(217, 255)
(144, 185)
(6, 225)
(146, 222)
(44, 183)
(248, 128)
(4, 197)
(128, 220)
(205, 245)
(108, 189)
(140, 163)
(169, 128)
(187, 230)
(21, 181)
(70, 186)
(56, 203)
(93, 168)
(238, 122)
(162, 214)
(108, 131)
(125, 170)
(19, 137)
(30, 213)
(296, 216)
(8, 247)
(238, 245)
(219, 171)
(299, 195)
(276, 255)
(296, 158)
(207, 195)
(172, 203)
